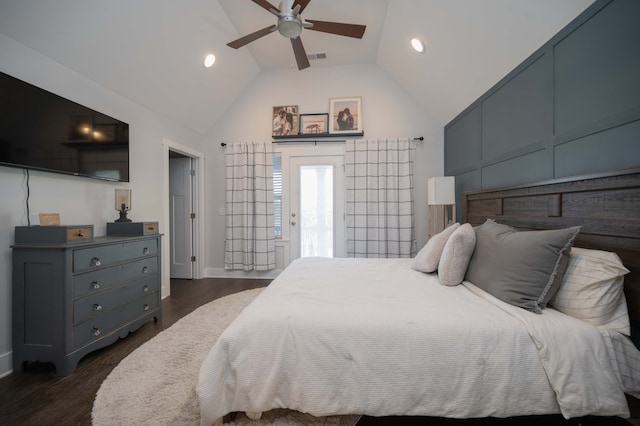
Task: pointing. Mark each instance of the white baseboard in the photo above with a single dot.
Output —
(224, 273)
(6, 364)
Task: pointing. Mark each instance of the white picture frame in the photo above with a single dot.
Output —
(345, 115)
(287, 123)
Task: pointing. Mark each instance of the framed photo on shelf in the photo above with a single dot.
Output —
(285, 120)
(345, 115)
(314, 124)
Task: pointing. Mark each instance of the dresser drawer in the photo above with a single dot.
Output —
(103, 302)
(140, 307)
(97, 257)
(103, 279)
(102, 325)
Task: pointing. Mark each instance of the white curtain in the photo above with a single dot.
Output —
(249, 243)
(379, 181)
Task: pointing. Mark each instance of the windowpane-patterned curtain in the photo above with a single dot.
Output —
(249, 243)
(379, 181)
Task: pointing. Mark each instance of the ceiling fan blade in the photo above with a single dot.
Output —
(348, 30)
(303, 4)
(236, 44)
(268, 6)
(299, 52)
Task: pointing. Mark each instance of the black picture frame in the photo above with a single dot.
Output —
(314, 124)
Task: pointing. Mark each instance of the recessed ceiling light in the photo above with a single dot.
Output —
(209, 60)
(417, 45)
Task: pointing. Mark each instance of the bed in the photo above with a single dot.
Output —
(382, 337)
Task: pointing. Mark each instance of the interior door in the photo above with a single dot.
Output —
(180, 216)
(316, 206)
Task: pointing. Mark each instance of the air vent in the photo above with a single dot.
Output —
(315, 56)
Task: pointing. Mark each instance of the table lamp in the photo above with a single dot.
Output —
(441, 198)
(123, 204)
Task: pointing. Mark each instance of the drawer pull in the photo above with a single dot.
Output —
(95, 285)
(80, 234)
(145, 250)
(95, 331)
(97, 307)
(145, 269)
(146, 307)
(145, 289)
(96, 261)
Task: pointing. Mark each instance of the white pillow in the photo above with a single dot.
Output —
(456, 255)
(592, 290)
(428, 257)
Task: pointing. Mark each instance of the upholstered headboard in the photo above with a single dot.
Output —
(605, 205)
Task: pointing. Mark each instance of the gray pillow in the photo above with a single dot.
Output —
(456, 254)
(428, 257)
(523, 268)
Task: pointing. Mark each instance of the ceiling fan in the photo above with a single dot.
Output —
(290, 25)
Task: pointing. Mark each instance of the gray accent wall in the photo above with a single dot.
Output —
(571, 108)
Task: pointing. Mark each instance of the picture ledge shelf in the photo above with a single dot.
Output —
(310, 137)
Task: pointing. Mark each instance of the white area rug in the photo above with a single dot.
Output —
(155, 384)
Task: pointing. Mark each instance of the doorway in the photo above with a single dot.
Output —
(316, 206)
(181, 216)
(183, 213)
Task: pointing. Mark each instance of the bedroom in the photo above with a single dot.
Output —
(88, 202)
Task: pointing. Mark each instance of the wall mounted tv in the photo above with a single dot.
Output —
(41, 130)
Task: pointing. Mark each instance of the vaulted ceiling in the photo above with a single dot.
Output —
(151, 51)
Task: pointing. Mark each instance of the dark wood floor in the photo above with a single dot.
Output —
(39, 397)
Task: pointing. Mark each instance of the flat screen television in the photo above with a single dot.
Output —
(43, 131)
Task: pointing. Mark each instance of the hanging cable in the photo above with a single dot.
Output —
(25, 172)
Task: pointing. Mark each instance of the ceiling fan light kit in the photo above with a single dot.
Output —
(290, 24)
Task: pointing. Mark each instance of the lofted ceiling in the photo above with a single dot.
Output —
(151, 51)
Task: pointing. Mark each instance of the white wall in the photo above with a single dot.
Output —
(389, 112)
(81, 200)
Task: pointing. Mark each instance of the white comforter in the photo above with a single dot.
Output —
(374, 337)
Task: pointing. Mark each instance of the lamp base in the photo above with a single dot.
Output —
(123, 217)
(440, 216)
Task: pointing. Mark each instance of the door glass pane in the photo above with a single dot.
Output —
(316, 211)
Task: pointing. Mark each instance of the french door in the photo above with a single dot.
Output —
(315, 214)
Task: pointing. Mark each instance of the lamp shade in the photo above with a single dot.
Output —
(442, 190)
(123, 196)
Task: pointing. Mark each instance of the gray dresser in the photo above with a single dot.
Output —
(72, 298)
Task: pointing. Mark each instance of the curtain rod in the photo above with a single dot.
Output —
(419, 138)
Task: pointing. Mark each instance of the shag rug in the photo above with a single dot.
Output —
(156, 383)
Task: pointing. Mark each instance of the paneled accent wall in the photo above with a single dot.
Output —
(571, 108)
